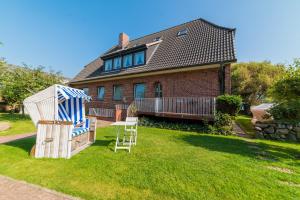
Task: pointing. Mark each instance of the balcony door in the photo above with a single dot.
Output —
(158, 97)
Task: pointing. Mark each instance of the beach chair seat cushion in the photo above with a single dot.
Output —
(79, 131)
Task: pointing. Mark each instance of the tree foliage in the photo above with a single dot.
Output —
(17, 83)
(252, 80)
(286, 94)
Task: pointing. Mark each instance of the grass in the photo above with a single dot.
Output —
(245, 123)
(19, 124)
(165, 164)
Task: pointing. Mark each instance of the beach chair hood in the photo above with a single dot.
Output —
(57, 102)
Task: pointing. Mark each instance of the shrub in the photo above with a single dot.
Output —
(222, 124)
(172, 125)
(286, 111)
(132, 111)
(286, 94)
(229, 104)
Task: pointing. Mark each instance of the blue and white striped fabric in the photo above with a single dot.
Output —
(71, 108)
(68, 92)
(63, 114)
(79, 131)
(74, 108)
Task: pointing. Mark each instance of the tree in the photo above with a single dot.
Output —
(252, 80)
(17, 83)
(286, 94)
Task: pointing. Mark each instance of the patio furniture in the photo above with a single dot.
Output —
(63, 130)
(132, 129)
(127, 139)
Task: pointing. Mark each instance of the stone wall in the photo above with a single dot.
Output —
(278, 131)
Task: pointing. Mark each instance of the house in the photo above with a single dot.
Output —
(176, 72)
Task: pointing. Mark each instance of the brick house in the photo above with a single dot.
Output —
(176, 72)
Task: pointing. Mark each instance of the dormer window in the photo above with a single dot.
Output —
(156, 39)
(127, 61)
(108, 65)
(139, 58)
(117, 62)
(133, 59)
(182, 32)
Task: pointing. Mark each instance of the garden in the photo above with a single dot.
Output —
(166, 164)
(183, 160)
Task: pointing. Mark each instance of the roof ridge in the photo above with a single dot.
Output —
(216, 25)
(165, 29)
(201, 19)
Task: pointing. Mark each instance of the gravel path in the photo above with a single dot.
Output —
(19, 190)
(9, 138)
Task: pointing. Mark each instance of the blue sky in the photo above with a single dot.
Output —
(66, 35)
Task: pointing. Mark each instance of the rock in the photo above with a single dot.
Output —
(269, 130)
(281, 125)
(260, 125)
(297, 129)
(292, 138)
(298, 135)
(282, 131)
(258, 128)
(289, 126)
(282, 136)
(259, 135)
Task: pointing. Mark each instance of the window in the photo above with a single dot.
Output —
(117, 63)
(139, 90)
(182, 32)
(127, 61)
(158, 90)
(117, 92)
(156, 39)
(86, 90)
(100, 93)
(139, 58)
(108, 65)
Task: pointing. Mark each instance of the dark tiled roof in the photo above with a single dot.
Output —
(205, 43)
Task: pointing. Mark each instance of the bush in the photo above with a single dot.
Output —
(222, 125)
(286, 95)
(229, 104)
(184, 125)
(132, 111)
(286, 111)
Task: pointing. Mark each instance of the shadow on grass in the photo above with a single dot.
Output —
(103, 142)
(25, 144)
(241, 147)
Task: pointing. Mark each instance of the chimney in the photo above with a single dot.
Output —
(123, 40)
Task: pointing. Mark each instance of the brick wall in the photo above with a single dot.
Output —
(198, 83)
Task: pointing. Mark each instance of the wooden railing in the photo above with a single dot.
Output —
(197, 106)
(102, 112)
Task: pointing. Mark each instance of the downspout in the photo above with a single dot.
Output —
(222, 78)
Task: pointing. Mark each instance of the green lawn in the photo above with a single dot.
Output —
(245, 123)
(18, 123)
(165, 164)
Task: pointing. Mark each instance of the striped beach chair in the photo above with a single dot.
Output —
(63, 129)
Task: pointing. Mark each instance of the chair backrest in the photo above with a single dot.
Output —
(74, 109)
(131, 119)
(62, 113)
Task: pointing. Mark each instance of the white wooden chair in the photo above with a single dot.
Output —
(131, 129)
